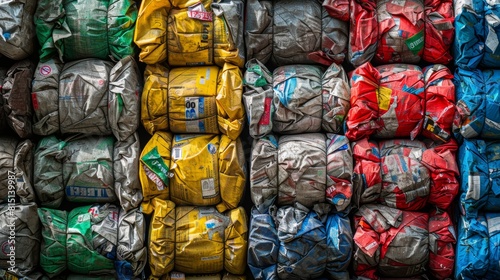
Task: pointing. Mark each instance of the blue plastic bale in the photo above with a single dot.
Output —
(263, 246)
(472, 249)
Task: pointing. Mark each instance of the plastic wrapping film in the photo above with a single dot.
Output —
(405, 174)
(89, 96)
(79, 29)
(392, 242)
(477, 106)
(479, 162)
(477, 251)
(16, 170)
(293, 242)
(190, 169)
(293, 31)
(303, 98)
(87, 169)
(15, 96)
(17, 30)
(476, 40)
(182, 276)
(402, 31)
(197, 240)
(93, 240)
(188, 33)
(19, 222)
(390, 101)
(307, 168)
(204, 99)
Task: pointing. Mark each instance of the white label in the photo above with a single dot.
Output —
(208, 187)
(177, 153)
(473, 192)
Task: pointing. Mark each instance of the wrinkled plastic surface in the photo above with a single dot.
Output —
(89, 96)
(72, 30)
(290, 32)
(17, 30)
(264, 172)
(53, 257)
(188, 33)
(477, 110)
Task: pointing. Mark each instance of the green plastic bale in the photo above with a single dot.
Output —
(53, 249)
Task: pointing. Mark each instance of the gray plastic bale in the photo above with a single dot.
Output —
(336, 94)
(17, 29)
(16, 170)
(131, 240)
(264, 172)
(126, 172)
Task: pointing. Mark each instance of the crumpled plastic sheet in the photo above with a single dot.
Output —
(392, 242)
(89, 96)
(15, 97)
(201, 170)
(16, 170)
(17, 30)
(188, 33)
(477, 34)
(479, 162)
(390, 101)
(298, 243)
(477, 110)
(405, 174)
(477, 249)
(26, 227)
(95, 240)
(87, 169)
(72, 30)
(199, 240)
(203, 99)
(294, 31)
(301, 99)
(306, 168)
(401, 31)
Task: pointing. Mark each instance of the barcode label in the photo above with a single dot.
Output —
(177, 153)
(208, 188)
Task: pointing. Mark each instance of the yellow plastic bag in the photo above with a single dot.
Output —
(154, 109)
(235, 251)
(231, 114)
(232, 173)
(151, 31)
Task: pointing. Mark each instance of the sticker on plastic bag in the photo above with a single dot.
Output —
(199, 12)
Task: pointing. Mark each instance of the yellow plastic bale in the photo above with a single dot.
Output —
(199, 246)
(232, 173)
(154, 109)
(154, 167)
(192, 99)
(196, 171)
(235, 251)
(231, 114)
(161, 237)
(181, 276)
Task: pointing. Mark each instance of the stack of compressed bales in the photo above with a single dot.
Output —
(86, 108)
(192, 170)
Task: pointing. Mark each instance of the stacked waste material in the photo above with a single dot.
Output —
(405, 31)
(293, 31)
(476, 126)
(188, 33)
(17, 30)
(99, 239)
(192, 170)
(85, 98)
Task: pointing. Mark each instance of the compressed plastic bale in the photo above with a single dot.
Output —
(477, 104)
(258, 97)
(21, 222)
(439, 103)
(386, 102)
(403, 31)
(297, 99)
(336, 98)
(289, 32)
(16, 170)
(236, 242)
(154, 98)
(302, 169)
(90, 96)
(162, 237)
(92, 239)
(154, 167)
(264, 172)
(187, 33)
(63, 29)
(53, 257)
(472, 260)
(127, 184)
(479, 161)
(442, 240)
(232, 173)
(390, 242)
(263, 245)
(339, 240)
(15, 93)
(339, 171)
(17, 29)
(131, 253)
(225, 276)
(367, 177)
